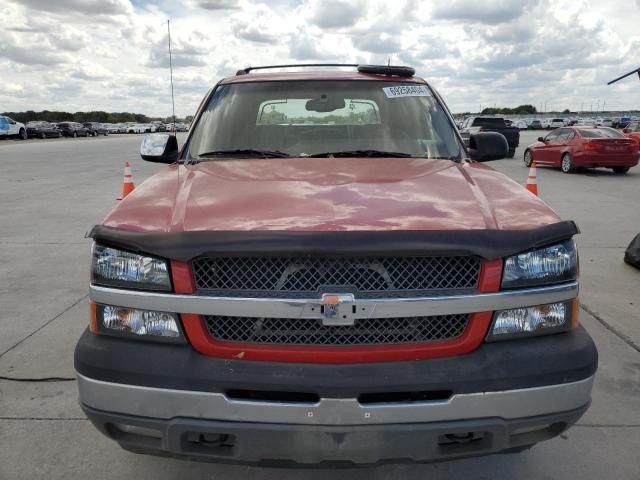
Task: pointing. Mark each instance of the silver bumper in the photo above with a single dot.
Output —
(167, 404)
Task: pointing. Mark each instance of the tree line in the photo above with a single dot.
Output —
(519, 110)
(81, 117)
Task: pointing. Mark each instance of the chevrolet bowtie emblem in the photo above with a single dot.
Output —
(338, 309)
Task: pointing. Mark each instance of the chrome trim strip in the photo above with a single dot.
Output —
(166, 404)
(309, 308)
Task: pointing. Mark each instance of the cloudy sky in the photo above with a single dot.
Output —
(112, 54)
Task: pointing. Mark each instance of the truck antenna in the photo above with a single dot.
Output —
(173, 102)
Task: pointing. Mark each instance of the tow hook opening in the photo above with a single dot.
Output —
(463, 442)
(207, 442)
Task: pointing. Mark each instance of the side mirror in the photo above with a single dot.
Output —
(625, 130)
(159, 148)
(541, 139)
(487, 146)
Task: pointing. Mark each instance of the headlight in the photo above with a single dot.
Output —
(557, 263)
(532, 321)
(135, 323)
(114, 267)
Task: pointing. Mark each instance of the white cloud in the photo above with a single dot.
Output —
(487, 11)
(112, 54)
(214, 4)
(336, 13)
(93, 7)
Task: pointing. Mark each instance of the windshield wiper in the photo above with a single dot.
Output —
(362, 153)
(240, 152)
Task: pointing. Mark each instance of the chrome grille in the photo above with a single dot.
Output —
(370, 331)
(269, 276)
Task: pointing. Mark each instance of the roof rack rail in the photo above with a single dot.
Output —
(244, 71)
(393, 70)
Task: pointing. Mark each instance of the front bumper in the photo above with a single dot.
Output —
(168, 399)
(290, 444)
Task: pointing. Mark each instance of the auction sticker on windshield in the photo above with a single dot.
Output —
(406, 91)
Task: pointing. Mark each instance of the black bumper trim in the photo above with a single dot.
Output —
(300, 445)
(554, 359)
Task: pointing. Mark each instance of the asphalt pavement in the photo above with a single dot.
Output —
(53, 191)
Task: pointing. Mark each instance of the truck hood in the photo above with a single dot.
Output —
(329, 194)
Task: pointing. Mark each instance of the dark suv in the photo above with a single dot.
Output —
(73, 129)
(95, 129)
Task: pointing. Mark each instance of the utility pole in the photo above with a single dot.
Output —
(598, 107)
(603, 104)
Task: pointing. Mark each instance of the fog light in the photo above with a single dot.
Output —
(123, 321)
(532, 321)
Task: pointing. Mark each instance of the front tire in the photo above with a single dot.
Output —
(43, 135)
(512, 153)
(566, 164)
(620, 170)
(75, 134)
(22, 134)
(528, 158)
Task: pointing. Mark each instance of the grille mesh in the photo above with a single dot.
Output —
(371, 331)
(272, 275)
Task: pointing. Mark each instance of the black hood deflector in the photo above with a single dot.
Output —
(185, 246)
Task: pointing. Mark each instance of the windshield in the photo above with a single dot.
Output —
(304, 118)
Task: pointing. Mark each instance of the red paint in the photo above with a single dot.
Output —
(197, 334)
(585, 152)
(490, 276)
(182, 277)
(329, 194)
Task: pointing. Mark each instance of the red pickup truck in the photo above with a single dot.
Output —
(325, 274)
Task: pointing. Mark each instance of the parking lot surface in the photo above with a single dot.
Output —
(53, 191)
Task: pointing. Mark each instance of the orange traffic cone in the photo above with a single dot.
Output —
(127, 186)
(532, 182)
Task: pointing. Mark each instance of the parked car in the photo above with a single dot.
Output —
(521, 124)
(10, 128)
(113, 128)
(632, 130)
(586, 122)
(605, 122)
(73, 129)
(136, 128)
(551, 123)
(491, 124)
(571, 148)
(96, 129)
(43, 130)
(352, 286)
(535, 124)
(621, 122)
